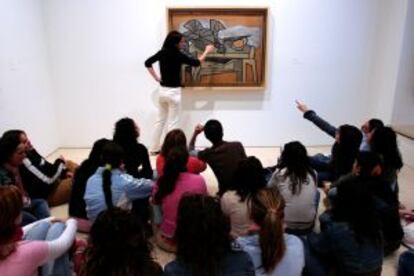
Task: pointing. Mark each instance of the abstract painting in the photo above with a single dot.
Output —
(239, 38)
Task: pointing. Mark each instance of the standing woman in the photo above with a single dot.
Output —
(170, 58)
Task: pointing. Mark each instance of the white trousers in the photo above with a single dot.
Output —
(169, 106)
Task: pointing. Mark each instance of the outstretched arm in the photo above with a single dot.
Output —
(314, 118)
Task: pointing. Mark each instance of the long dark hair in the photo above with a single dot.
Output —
(249, 177)
(354, 205)
(11, 205)
(126, 132)
(366, 162)
(119, 246)
(82, 174)
(295, 160)
(174, 138)
(175, 163)
(384, 143)
(345, 151)
(202, 234)
(172, 40)
(112, 156)
(8, 145)
(266, 210)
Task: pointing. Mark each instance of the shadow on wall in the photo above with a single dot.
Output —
(209, 100)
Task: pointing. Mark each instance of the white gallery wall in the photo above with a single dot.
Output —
(27, 99)
(342, 57)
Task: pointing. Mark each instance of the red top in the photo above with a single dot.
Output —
(194, 165)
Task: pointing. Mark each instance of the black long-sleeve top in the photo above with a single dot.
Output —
(170, 65)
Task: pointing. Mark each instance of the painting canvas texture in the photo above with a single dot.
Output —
(239, 38)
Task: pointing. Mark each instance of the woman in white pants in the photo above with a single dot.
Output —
(170, 59)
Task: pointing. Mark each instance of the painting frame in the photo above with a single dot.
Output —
(239, 61)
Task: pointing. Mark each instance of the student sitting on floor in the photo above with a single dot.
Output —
(223, 157)
(119, 246)
(77, 206)
(45, 244)
(176, 138)
(169, 189)
(203, 241)
(248, 180)
(272, 251)
(110, 186)
(12, 154)
(296, 181)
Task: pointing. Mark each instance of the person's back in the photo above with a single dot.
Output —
(119, 246)
(248, 180)
(203, 241)
(351, 252)
(291, 263)
(124, 189)
(272, 251)
(301, 207)
(187, 183)
(223, 160)
(350, 237)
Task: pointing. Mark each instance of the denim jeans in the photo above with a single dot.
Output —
(406, 264)
(27, 218)
(38, 208)
(45, 231)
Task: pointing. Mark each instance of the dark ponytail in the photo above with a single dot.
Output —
(112, 158)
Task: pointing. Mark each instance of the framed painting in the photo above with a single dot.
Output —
(239, 38)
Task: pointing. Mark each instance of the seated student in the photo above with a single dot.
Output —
(176, 138)
(110, 186)
(170, 187)
(223, 157)
(136, 158)
(367, 171)
(272, 251)
(367, 130)
(248, 180)
(347, 142)
(350, 240)
(204, 246)
(77, 206)
(296, 181)
(406, 263)
(18, 257)
(384, 143)
(119, 246)
(12, 153)
(42, 179)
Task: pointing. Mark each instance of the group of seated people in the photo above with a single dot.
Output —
(260, 222)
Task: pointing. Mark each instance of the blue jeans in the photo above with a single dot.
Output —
(27, 218)
(38, 208)
(45, 231)
(406, 264)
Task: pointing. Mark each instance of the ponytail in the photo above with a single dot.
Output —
(271, 241)
(112, 156)
(106, 179)
(266, 210)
